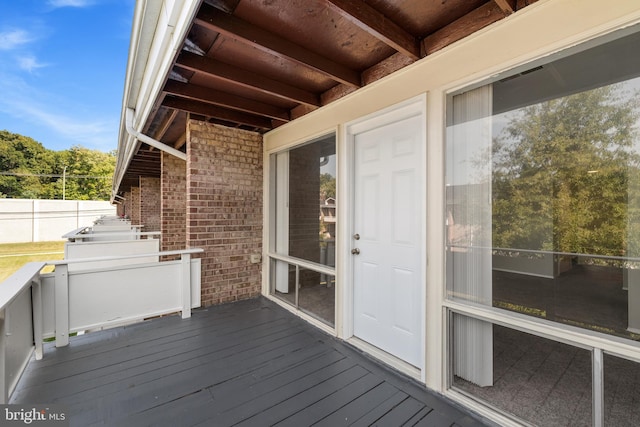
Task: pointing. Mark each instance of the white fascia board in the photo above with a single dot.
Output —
(159, 28)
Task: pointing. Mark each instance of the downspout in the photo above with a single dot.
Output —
(147, 139)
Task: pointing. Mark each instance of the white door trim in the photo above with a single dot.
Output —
(415, 106)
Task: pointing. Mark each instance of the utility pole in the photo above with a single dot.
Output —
(64, 182)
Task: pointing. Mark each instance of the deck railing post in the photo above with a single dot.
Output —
(62, 304)
(36, 307)
(186, 285)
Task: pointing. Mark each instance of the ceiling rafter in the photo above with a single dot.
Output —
(216, 112)
(245, 32)
(468, 24)
(507, 6)
(223, 99)
(375, 23)
(164, 126)
(376, 37)
(180, 141)
(246, 78)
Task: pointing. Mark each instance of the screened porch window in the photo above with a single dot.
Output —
(303, 227)
(543, 219)
(543, 191)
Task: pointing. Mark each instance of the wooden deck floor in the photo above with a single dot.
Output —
(249, 363)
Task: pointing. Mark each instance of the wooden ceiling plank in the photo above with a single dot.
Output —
(164, 126)
(246, 78)
(217, 112)
(224, 99)
(227, 6)
(240, 30)
(375, 23)
(507, 6)
(180, 141)
(468, 24)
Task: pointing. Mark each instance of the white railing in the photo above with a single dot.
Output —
(34, 306)
(98, 232)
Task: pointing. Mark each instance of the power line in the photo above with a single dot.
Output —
(53, 175)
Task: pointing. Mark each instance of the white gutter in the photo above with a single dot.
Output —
(147, 139)
(159, 29)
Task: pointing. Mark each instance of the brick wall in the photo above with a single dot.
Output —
(127, 203)
(174, 203)
(224, 209)
(120, 209)
(150, 203)
(135, 206)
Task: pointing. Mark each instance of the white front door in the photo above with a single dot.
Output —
(387, 243)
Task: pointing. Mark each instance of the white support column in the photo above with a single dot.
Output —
(62, 305)
(186, 285)
(36, 304)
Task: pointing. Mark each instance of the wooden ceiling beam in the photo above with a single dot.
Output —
(468, 24)
(246, 78)
(375, 23)
(211, 18)
(507, 6)
(216, 112)
(180, 141)
(166, 123)
(224, 99)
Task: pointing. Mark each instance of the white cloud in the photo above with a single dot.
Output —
(13, 39)
(73, 125)
(70, 3)
(30, 63)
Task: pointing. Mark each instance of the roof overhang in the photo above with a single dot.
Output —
(258, 65)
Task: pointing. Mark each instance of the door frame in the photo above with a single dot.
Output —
(416, 106)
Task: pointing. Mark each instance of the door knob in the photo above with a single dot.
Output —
(355, 251)
(356, 236)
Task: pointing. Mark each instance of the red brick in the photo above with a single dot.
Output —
(224, 208)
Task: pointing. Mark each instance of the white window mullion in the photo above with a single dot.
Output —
(282, 221)
(598, 387)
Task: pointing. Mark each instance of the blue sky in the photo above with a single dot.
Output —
(62, 68)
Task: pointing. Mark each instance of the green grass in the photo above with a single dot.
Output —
(15, 255)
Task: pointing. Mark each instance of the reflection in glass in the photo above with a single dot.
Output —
(310, 291)
(621, 392)
(304, 227)
(316, 295)
(543, 382)
(543, 191)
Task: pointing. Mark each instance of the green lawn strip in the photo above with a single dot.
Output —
(27, 252)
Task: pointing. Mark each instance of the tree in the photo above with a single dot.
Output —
(88, 173)
(327, 186)
(31, 171)
(24, 163)
(561, 173)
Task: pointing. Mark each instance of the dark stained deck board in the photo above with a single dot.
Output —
(380, 399)
(152, 389)
(146, 357)
(137, 373)
(247, 363)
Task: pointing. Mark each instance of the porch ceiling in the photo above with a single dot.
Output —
(258, 64)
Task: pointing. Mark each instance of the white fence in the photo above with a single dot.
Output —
(27, 220)
(34, 306)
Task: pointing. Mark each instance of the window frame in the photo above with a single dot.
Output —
(597, 343)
